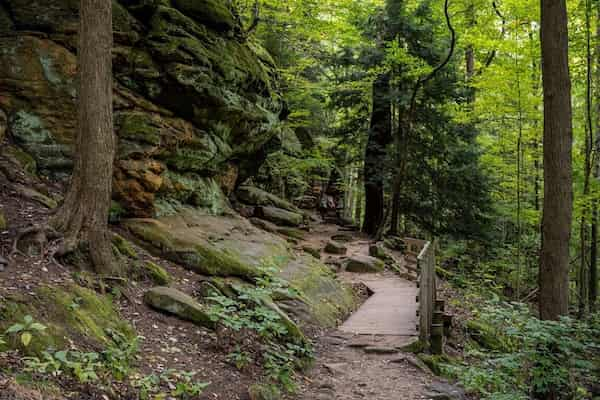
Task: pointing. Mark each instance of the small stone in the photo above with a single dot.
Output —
(333, 247)
(342, 237)
(445, 391)
(336, 368)
(175, 302)
(316, 253)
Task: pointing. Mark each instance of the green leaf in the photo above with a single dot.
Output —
(26, 338)
(36, 326)
(28, 319)
(15, 328)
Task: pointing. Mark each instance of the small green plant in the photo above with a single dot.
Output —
(82, 366)
(250, 317)
(118, 356)
(147, 385)
(186, 387)
(240, 358)
(181, 384)
(46, 365)
(26, 329)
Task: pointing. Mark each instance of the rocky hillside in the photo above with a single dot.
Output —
(196, 105)
(195, 100)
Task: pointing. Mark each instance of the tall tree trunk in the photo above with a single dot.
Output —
(83, 217)
(380, 136)
(558, 139)
(593, 285)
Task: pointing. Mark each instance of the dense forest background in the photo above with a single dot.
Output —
(465, 147)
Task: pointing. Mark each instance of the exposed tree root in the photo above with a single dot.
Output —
(45, 237)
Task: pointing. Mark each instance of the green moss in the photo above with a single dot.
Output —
(26, 161)
(210, 12)
(116, 212)
(416, 346)
(124, 246)
(72, 314)
(208, 260)
(485, 335)
(138, 127)
(203, 258)
(329, 300)
(157, 274)
(435, 362)
(292, 233)
(152, 233)
(3, 224)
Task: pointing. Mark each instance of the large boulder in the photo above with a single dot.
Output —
(179, 304)
(280, 216)
(258, 197)
(239, 251)
(364, 264)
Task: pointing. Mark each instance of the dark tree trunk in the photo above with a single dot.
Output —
(558, 138)
(380, 136)
(83, 218)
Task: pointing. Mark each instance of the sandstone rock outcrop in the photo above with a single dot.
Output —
(194, 98)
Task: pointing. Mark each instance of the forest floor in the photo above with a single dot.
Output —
(347, 366)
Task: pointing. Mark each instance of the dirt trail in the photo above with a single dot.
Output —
(361, 359)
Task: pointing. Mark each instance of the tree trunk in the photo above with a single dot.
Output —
(593, 285)
(558, 139)
(380, 136)
(83, 218)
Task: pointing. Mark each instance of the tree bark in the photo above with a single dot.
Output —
(380, 136)
(558, 139)
(83, 217)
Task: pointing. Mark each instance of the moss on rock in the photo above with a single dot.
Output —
(123, 246)
(485, 335)
(151, 271)
(199, 256)
(175, 302)
(72, 314)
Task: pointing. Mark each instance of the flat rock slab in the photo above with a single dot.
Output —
(390, 311)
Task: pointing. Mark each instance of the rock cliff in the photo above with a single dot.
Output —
(194, 98)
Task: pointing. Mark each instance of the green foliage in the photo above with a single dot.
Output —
(536, 356)
(181, 383)
(248, 315)
(114, 362)
(26, 330)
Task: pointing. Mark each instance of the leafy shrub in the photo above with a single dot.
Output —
(537, 357)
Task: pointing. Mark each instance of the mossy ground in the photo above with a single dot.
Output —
(73, 315)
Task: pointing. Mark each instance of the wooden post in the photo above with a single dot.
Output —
(437, 338)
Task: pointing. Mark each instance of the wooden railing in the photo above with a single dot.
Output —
(427, 289)
(431, 310)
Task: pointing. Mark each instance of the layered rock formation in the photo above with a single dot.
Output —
(194, 98)
(196, 108)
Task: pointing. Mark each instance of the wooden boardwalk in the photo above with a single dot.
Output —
(390, 311)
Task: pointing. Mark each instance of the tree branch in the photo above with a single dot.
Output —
(422, 81)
